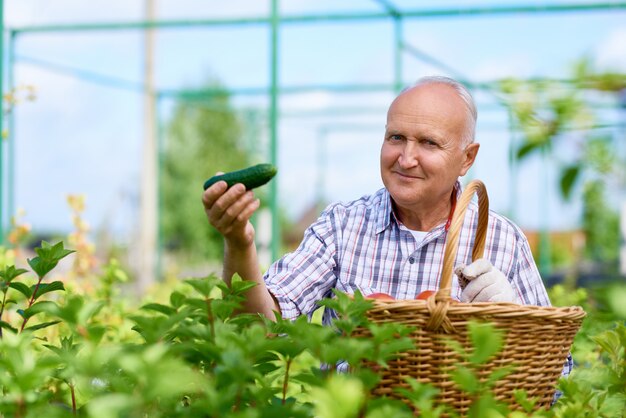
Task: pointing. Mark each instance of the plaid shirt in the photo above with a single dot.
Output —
(362, 245)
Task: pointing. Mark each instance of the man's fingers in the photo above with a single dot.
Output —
(490, 287)
(229, 207)
(243, 216)
(210, 195)
(473, 289)
(487, 293)
(477, 268)
(234, 211)
(227, 199)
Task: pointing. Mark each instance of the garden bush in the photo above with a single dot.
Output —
(67, 353)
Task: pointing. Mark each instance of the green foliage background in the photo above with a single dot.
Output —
(549, 112)
(187, 355)
(203, 138)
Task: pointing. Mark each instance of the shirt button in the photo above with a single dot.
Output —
(411, 260)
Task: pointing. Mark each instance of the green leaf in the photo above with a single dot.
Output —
(9, 273)
(47, 287)
(96, 332)
(568, 178)
(39, 266)
(616, 297)
(466, 379)
(609, 342)
(112, 405)
(241, 287)
(177, 299)
(486, 339)
(521, 397)
(8, 326)
(67, 346)
(47, 257)
(527, 148)
(422, 396)
(202, 286)
(341, 397)
(22, 288)
(42, 325)
(39, 307)
(164, 309)
(485, 407)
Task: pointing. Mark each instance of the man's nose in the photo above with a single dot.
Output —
(409, 156)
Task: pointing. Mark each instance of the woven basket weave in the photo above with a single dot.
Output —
(537, 339)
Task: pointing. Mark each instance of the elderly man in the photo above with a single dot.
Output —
(391, 241)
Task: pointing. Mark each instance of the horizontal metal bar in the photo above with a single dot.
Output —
(258, 91)
(202, 94)
(81, 74)
(365, 16)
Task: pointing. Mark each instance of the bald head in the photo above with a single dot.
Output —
(462, 93)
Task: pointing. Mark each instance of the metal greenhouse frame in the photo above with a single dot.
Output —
(274, 21)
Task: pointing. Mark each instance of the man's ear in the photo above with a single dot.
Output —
(469, 155)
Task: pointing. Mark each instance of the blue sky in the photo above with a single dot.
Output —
(81, 137)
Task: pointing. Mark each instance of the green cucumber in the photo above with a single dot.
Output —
(251, 177)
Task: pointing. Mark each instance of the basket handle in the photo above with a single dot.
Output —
(452, 241)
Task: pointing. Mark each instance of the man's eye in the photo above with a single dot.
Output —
(396, 137)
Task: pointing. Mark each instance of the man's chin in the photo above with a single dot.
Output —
(405, 197)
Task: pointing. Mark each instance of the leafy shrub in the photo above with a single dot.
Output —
(64, 355)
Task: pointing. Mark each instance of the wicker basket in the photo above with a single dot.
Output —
(537, 339)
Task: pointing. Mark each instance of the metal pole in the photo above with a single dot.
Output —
(2, 240)
(148, 205)
(159, 190)
(10, 128)
(397, 47)
(397, 26)
(621, 140)
(296, 19)
(274, 28)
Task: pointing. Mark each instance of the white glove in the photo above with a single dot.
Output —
(481, 282)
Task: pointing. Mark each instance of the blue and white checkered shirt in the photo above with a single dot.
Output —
(362, 245)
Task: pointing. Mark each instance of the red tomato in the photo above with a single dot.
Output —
(379, 296)
(425, 294)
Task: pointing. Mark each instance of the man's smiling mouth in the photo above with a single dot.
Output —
(407, 176)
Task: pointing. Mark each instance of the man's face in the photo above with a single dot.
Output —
(423, 152)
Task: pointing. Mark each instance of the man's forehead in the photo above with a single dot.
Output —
(441, 93)
(409, 127)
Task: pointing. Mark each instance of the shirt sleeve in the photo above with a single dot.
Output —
(300, 279)
(527, 279)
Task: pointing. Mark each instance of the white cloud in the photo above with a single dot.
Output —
(35, 12)
(611, 53)
(312, 100)
(18, 12)
(494, 68)
(174, 9)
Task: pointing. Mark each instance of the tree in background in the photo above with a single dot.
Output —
(202, 138)
(546, 111)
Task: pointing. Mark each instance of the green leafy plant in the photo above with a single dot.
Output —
(195, 355)
(48, 256)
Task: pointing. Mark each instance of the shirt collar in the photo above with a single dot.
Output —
(386, 216)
